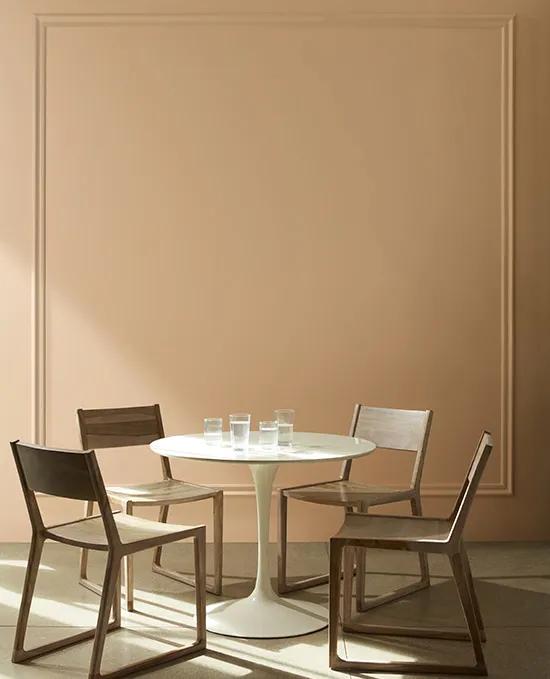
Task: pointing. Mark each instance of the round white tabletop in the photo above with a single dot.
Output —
(306, 447)
(263, 614)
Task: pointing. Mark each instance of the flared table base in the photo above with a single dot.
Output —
(265, 617)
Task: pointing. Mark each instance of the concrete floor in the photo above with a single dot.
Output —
(513, 583)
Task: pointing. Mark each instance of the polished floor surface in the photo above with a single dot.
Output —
(513, 582)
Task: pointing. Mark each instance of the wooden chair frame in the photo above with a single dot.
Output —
(411, 495)
(84, 481)
(450, 544)
(131, 434)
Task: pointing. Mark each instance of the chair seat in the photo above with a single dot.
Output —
(396, 529)
(131, 529)
(344, 493)
(168, 491)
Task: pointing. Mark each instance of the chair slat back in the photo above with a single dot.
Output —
(393, 429)
(72, 474)
(470, 486)
(123, 427)
(120, 427)
(63, 473)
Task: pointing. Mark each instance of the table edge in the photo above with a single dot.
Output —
(340, 458)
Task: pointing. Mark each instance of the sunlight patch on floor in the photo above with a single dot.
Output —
(49, 609)
(224, 667)
(22, 563)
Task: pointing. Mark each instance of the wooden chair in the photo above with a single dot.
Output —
(124, 427)
(417, 534)
(396, 430)
(75, 474)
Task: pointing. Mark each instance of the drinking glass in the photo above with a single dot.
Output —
(285, 422)
(239, 424)
(269, 434)
(213, 427)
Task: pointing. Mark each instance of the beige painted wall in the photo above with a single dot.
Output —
(296, 206)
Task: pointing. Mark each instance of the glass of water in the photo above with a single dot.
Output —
(213, 428)
(239, 424)
(269, 434)
(285, 425)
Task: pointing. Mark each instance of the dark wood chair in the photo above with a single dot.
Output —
(75, 475)
(390, 429)
(424, 536)
(136, 426)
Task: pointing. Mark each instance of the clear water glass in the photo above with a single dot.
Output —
(285, 425)
(269, 434)
(239, 424)
(213, 430)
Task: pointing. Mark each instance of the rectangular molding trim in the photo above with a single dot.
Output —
(504, 24)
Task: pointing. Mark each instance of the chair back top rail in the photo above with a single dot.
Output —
(392, 429)
(71, 474)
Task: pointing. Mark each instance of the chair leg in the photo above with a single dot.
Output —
(117, 603)
(282, 543)
(416, 510)
(128, 567)
(108, 601)
(163, 518)
(283, 585)
(200, 587)
(349, 555)
(361, 561)
(84, 581)
(473, 594)
(364, 604)
(33, 565)
(218, 541)
(460, 569)
(335, 569)
(216, 587)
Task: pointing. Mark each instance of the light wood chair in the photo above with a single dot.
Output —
(124, 427)
(75, 474)
(388, 428)
(417, 534)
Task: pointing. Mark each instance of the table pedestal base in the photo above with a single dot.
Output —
(265, 618)
(263, 614)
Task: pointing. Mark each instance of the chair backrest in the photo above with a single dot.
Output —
(470, 486)
(393, 429)
(121, 428)
(72, 474)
